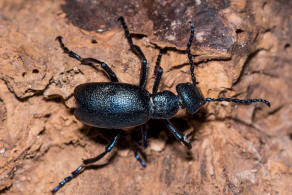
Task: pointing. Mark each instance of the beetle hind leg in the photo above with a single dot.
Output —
(81, 168)
(88, 61)
(107, 149)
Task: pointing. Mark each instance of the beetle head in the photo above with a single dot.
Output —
(189, 97)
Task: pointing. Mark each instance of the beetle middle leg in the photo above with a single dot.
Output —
(138, 52)
(143, 73)
(158, 71)
(167, 123)
(144, 136)
(137, 156)
(88, 61)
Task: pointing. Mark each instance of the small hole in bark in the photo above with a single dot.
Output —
(35, 71)
(93, 41)
(264, 5)
(287, 46)
(23, 74)
(138, 36)
(238, 31)
(47, 115)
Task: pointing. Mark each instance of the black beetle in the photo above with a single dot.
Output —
(114, 105)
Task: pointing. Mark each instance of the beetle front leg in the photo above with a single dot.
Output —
(177, 134)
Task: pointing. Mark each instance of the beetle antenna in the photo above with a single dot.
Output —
(239, 101)
(190, 55)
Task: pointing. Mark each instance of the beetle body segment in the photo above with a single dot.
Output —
(112, 105)
(165, 105)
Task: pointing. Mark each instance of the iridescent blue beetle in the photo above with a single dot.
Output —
(114, 105)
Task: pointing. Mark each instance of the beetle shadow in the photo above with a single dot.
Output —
(188, 126)
(132, 139)
(106, 136)
(156, 129)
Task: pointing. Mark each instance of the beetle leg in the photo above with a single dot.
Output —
(177, 134)
(137, 51)
(69, 178)
(190, 56)
(104, 66)
(158, 71)
(107, 149)
(138, 157)
(86, 162)
(144, 136)
(88, 61)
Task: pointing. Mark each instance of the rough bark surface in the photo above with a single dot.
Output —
(242, 49)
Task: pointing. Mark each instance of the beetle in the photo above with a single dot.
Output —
(114, 105)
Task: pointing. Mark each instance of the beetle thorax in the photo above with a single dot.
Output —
(164, 105)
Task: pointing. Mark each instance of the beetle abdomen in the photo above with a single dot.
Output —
(111, 105)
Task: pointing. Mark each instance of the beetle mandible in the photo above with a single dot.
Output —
(114, 105)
